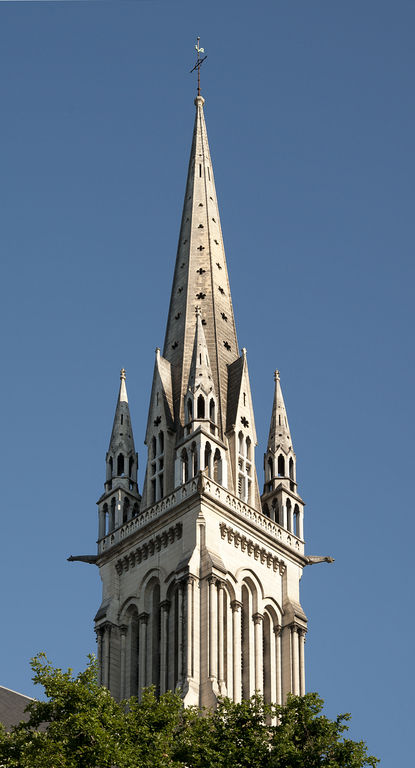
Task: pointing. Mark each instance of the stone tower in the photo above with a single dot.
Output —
(201, 574)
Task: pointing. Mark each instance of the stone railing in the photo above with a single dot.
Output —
(209, 487)
(149, 514)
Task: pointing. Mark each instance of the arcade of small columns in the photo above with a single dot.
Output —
(239, 649)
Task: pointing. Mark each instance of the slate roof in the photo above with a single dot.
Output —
(12, 707)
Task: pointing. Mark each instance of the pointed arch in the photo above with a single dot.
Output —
(200, 407)
(217, 467)
(281, 466)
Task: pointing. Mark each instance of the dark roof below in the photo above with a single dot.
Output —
(12, 707)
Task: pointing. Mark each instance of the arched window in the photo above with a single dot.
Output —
(266, 655)
(248, 448)
(111, 463)
(153, 447)
(189, 410)
(130, 466)
(208, 458)
(265, 510)
(161, 442)
(289, 517)
(281, 466)
(246, 637)
(193, 455)
(296, 520)
(200, 407)
(125, 510)
(120, 465)
(270, 468)
(241, 443)
(185, 466)
(275, 515)
(217, 466)
(106, 526)
(212, 410)
(111, 524)
(136, 509)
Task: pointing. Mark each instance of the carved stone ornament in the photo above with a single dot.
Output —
(260, 553)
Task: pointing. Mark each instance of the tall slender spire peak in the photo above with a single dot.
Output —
(123, 397)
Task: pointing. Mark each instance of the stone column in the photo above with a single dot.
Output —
(221, 632)
(278, 686)
(99, 632)
(123, 632)
(180, 649)
(189, 627)
(143, 651)
(106, 654)
(213, 628)
(302, 634)
(294, 647)
(237, 650)
(164, 634)
(301, 524)
(259, 654)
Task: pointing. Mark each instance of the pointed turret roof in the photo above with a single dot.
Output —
(200, 374)
(122, 432)
(200, 278)
(279, 431)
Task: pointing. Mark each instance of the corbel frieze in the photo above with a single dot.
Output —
(254, 550)
(148, 548)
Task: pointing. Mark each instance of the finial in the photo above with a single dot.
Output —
(276, 375)
(198, 64)
(198, 311)
(122, 374)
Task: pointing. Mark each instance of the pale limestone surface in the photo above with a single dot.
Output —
(201, 575)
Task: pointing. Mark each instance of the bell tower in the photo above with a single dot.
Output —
(201, 575)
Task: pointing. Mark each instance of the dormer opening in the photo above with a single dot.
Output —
(111, 465)
(189, 409)
(120, 465)
(296, 520)
(125, 510)
(161, 442)
(200, 407)
(193, 458)
(153, 447)
(281, 465)
(122, 419)
(289, 517)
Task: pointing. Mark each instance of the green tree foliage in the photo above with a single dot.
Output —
(80, 725)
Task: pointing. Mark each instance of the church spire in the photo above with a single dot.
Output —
(121, 457)
(279, 431)
(200, 279)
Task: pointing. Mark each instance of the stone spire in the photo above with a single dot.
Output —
(121, 458)
(279, 431)
(200, 279)
(200, 375)
(122, 432)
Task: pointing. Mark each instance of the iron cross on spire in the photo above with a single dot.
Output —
(198, 63)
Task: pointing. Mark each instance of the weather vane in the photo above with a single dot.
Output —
(198, 63)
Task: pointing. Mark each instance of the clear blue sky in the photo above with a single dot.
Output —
(311, 120)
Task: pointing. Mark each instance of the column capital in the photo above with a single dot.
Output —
(236, 605)
(257, 618)
(123, 629)
(144, 617)
(165, 605)
(277, 630)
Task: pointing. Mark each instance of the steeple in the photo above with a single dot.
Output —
(121, 456)
(279, 431)
(200, 279)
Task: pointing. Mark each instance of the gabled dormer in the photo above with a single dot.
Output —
(160, 434)
(241, 432)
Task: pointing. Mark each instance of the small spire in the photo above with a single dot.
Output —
(279, 431)
(200, 374)
(123, 397)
